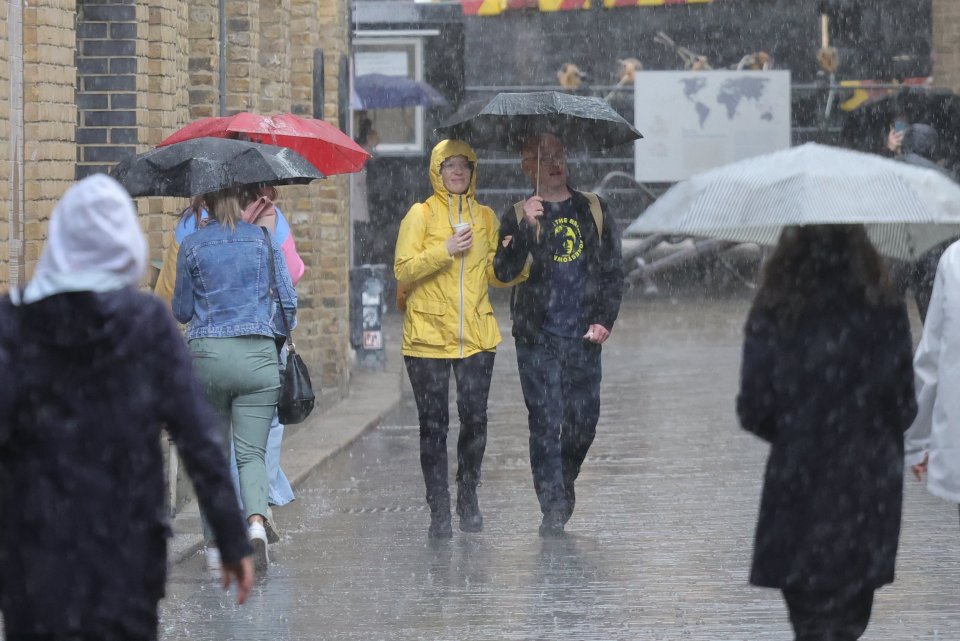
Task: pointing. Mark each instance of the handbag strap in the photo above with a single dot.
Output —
(276, 289)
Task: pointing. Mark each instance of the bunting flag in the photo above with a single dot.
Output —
(610, 4)
(496, 7)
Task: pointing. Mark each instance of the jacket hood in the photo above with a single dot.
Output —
(920, 139)
(94, 243)
(447, 149)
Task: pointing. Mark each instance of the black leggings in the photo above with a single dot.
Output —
(430, 379)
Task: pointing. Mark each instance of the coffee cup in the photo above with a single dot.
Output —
(460, 227)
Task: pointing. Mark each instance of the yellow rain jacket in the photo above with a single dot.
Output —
(448, 313)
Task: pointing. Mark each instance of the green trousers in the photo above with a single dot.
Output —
(241, 379)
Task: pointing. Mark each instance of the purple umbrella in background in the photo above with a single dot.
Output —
(379, 91)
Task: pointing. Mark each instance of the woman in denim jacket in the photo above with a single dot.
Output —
(223, 291)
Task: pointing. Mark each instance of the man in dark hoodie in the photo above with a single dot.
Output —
(918, 147)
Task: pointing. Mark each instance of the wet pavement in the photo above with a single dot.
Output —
(659, 547)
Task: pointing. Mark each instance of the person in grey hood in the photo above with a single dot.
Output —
(90, 369)
(919, 148)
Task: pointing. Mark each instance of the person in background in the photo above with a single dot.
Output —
(225, 294)
(562, 315)
(826, 379)
(443, 265)
(933, 441)
(91, 371)
(916, 144)
(368, 138)
(260, 212)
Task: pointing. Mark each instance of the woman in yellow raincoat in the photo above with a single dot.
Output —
(444, 264)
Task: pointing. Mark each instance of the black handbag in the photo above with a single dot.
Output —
(297, 397)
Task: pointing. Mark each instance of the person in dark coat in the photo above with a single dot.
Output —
(90, 369)
(827, 380)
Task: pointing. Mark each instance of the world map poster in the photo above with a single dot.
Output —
(696, 120)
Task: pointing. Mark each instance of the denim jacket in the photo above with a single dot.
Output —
(223, 284)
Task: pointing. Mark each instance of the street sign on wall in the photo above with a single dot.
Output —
(695, 120)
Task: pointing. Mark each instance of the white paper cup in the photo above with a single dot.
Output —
(459, 227)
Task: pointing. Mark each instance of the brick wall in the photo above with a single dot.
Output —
(333, 244)
(146, 69)
(946, 43)
(243, 56)
(4, 143)
(274, 53)
(163, 108)
(107, 83)
(50, 115)
(203, 34)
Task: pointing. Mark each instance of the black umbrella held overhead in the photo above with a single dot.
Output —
(204, 165)
(504, 122)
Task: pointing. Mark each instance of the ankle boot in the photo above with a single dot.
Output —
(440, 527)
(468, 509)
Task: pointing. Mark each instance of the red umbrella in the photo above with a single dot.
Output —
(326, 147)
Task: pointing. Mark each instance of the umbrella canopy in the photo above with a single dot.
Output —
(379, 91)
(583, 123)
(906, 209)
(204, 165)
(323, 145)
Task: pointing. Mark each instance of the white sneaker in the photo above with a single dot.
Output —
(258, 538)
(212, 554)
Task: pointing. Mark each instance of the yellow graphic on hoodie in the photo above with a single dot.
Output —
(568, 241)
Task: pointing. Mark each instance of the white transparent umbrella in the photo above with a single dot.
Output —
(906, 209)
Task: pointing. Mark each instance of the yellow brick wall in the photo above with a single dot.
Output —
(203, 33)
(50, 115)
(270, 56)
(243, 56)
(165, 106)
(946, 43)
(4, 143)
(333, 244)
(274, 54)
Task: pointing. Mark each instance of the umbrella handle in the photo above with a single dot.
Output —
(537, 189)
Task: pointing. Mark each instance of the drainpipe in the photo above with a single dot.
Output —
(15, 210)
(222, 8)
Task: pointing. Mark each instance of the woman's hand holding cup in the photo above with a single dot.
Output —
(462, 239)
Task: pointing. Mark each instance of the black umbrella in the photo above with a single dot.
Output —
(204, 165)
(504, 122)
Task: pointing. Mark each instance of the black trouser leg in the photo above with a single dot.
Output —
(473, 376)
(430, 379)
(840, 615)
(580, 378)
(539, 368)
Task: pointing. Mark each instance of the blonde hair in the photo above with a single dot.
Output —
(226, 206)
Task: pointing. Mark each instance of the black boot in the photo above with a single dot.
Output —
(551, 527)
(468, 509)
(440, 527)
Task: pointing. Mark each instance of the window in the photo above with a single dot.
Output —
(399, 129)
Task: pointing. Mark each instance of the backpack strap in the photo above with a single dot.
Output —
(596, 210)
